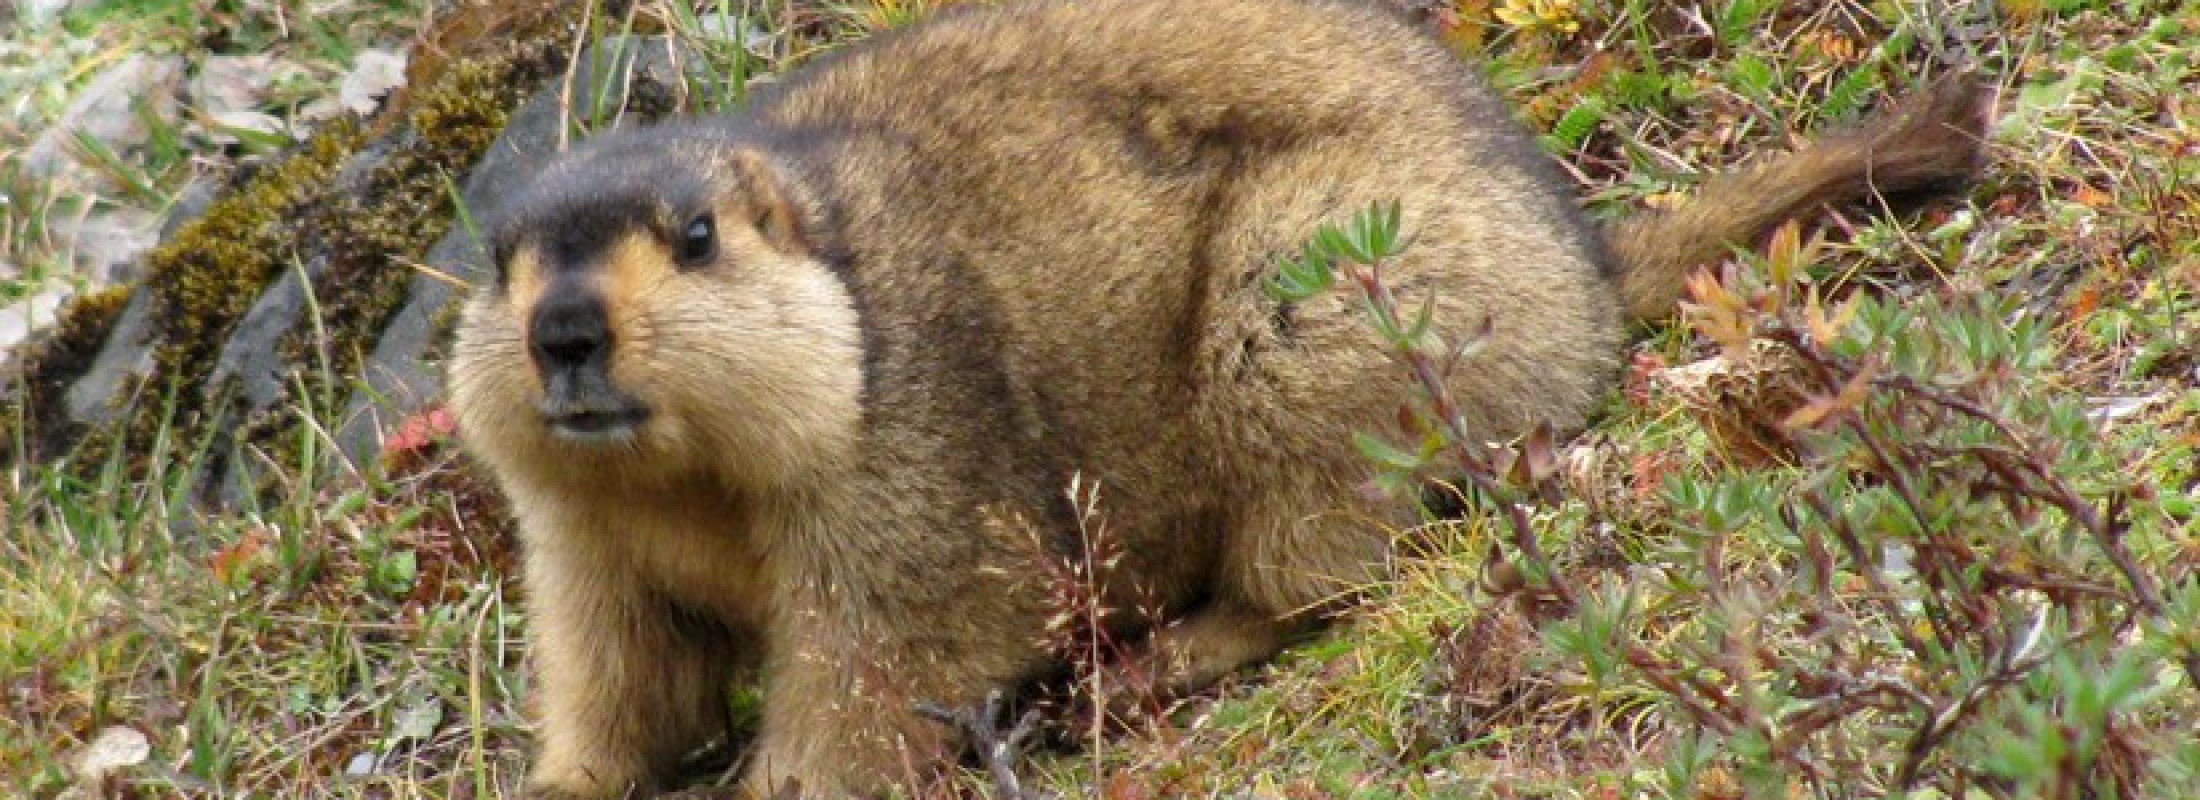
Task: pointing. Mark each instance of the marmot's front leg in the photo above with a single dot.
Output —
(625, 691)
(842, 687)
(840, 718)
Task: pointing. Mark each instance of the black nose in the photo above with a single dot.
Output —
(570, 331)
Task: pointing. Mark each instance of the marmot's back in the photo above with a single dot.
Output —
(1123, 175)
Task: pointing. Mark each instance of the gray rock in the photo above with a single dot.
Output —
(249, 376)
(106, 110)
(95, 398)
(250, 369)
(189, 204)
(251, 357)
(232, 83)
(397, 380)
(105, 246)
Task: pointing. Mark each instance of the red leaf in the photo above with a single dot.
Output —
(1637, 385)
(420, 432)
(229, 559)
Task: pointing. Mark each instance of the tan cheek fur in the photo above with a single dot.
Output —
(757, 358)
(494, 387)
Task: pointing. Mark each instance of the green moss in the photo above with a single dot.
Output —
(207, 276)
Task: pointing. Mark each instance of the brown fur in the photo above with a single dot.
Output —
(958, 265)
(1928, 141)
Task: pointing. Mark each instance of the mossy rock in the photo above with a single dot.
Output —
(37, 412)
(322, 285)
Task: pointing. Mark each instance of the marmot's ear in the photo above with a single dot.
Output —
(769, 203)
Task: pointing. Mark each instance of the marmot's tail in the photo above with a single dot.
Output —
(1930, 141)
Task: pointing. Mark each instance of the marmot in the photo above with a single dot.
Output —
(775, 393)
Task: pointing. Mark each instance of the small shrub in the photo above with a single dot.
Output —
(1937, 577)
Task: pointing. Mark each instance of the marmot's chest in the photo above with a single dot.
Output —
(705, 553)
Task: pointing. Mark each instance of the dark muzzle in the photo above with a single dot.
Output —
(570, 338)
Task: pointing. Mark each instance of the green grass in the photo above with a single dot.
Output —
(370, 621)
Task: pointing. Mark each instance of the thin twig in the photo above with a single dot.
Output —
(998, 750)
(572, 66)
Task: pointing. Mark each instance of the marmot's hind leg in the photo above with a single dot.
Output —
(1292, 558)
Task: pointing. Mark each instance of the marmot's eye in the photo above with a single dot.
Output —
(699, 242)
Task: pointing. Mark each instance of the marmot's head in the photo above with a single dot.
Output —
(659, 313)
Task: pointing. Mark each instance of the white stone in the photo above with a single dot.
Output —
(40, 12)
(2104, 410)
(115, 748)
(232, 83)
(20, 318)
(374, 74)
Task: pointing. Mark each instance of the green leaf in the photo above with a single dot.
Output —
(1643, 90)
(1422, 319)
(1578, 123)
(1846, 98)
(1382, 226)
(1752, 76)
(400, 569)
(1384, 453)
(1331, 243)
(1739, 19)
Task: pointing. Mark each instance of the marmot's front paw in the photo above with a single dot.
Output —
(542, 787)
